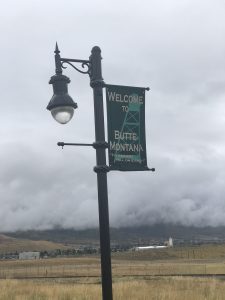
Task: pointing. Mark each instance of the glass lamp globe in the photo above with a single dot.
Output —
(61, 104)
(62, 114)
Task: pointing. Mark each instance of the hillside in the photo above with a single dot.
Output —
(11, 245)
(129, 235)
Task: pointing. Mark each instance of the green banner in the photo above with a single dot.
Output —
(126, 128)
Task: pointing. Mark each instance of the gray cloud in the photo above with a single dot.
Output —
(176, 47)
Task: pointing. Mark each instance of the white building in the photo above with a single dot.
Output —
(168, 243)
(29, 255)
(149, 247)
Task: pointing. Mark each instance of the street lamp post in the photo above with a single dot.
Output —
(62, 108)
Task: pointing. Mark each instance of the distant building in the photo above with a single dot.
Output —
(170, 242)
(29, 255)
(149, 247)
(167, 244)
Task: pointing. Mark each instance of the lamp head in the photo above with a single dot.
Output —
(61, 104)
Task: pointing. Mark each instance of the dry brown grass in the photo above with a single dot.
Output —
(9, 244)
(90, 267)
(84, 283)
(182, 252)
(160, 289)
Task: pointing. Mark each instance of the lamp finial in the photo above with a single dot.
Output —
(56, 49)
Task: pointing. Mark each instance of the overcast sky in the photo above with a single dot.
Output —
(177, 47)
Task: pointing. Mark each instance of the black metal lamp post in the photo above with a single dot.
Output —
(62, 108)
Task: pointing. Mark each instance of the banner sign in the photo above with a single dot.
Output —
(126, 128)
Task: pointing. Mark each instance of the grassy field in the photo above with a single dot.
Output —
(184, 252)
(153, 274)
(90, 267)
(157, 289)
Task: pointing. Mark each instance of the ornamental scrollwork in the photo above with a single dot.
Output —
(85, 65)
